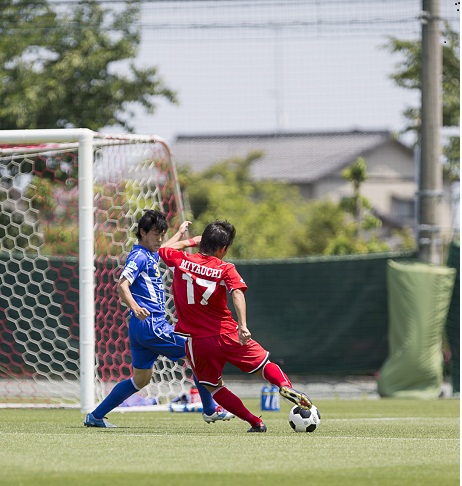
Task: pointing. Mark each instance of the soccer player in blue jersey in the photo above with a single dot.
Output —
(141, 288)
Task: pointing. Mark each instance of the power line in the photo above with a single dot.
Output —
(326, 21)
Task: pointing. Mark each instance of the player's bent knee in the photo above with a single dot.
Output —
(141, 378)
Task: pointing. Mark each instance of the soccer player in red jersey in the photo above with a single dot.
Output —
(200, 285)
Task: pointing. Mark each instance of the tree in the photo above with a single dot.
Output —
(59, 69)
(359, 206)
(356, 174)
(272, 219)
(59, 66)
(407, 75)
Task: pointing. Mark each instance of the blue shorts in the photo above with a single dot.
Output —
(153, 337)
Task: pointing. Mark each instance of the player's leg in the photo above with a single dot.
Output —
(142, 361)
(253, 358)
(231, 402)
(211, 411)
(207, 364)
(172, 345)
(273, 373)
(122, 391)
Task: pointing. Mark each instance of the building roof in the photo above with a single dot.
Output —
(302, 157)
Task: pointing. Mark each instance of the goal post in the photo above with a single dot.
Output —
(54, 254)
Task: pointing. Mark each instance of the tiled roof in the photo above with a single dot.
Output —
(293, 157)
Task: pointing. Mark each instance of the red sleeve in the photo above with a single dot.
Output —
(233, 280)
(170, 255)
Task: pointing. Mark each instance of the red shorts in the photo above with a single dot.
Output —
(208, 356)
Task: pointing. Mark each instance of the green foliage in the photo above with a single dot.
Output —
(33, 218)
(61, 240)
(40, 192)
(451, 168)
(406, 238)
(332, 231)
(407, 75)
(272, 219)
(59, 66)
(269, 216)
(361, 209)
(344, 244)
(325, 221)
(357, 172)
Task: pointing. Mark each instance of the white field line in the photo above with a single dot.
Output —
(380, 419)
(317, 436)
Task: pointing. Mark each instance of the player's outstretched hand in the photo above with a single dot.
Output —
(184, 227)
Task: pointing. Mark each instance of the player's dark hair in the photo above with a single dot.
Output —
(150, 220)
(217, 235)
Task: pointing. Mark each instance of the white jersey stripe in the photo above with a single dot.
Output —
(151, 289)
(189, 341)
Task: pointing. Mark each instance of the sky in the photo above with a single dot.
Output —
(266, 66)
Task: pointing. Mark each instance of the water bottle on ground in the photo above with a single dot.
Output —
(270, 398)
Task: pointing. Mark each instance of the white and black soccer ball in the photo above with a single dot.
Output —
(304, 420)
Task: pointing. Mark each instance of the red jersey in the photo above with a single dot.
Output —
(200, 286)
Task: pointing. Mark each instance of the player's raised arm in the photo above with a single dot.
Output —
(178, 240)
(179, 235)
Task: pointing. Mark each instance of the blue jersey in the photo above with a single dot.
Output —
(146, 284)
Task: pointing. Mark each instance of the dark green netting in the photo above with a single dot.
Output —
(453, 321)
(316, 315)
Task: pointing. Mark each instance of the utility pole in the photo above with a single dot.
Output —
(430, 190)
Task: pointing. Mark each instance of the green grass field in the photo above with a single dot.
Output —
(361, 442)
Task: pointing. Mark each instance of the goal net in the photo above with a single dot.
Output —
(70, 200)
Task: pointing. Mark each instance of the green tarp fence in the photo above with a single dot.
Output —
(325, 315)
(418, 300)
(320, 316)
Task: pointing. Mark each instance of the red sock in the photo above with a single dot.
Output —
(275, 375)
(234, 404)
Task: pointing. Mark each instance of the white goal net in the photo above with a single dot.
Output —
(70, 200)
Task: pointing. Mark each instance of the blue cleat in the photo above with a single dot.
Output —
(91, 421)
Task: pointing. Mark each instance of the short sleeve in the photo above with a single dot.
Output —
(133, 268)
(233, 280)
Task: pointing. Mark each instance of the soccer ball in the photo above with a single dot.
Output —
(304, 420)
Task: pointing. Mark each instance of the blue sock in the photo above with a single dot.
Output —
(208, 403)
(119, 393)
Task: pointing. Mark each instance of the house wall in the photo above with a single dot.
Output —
(390, 172)
(391, 185)
(391, 176)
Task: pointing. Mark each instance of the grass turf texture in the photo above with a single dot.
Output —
(362, 442)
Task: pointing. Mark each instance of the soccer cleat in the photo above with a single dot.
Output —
(296, 397)
(260, 427)
(91, 421)
(219, 414)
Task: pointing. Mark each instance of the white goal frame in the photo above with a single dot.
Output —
(85, 139)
